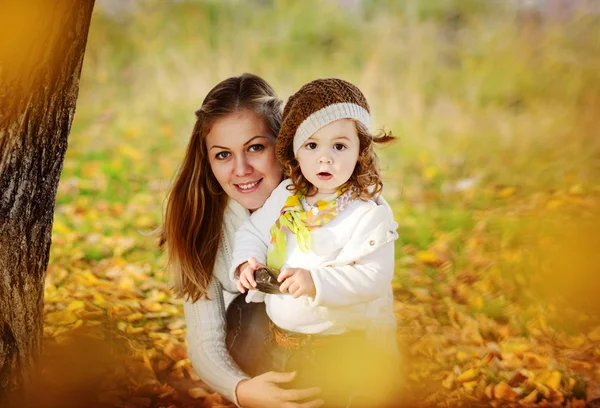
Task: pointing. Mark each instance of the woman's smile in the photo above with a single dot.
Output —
(248, 187)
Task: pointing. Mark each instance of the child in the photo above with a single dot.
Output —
(331, 236)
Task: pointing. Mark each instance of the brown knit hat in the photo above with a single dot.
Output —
(315, 105)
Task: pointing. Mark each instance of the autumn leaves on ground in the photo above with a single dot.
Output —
(494, 183)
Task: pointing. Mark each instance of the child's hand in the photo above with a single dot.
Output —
(246, 278)
(297, 281)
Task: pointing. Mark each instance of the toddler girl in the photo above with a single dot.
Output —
(331, 236)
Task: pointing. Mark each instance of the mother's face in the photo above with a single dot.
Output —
(241, 152)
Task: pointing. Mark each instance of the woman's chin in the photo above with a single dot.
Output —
(251, 201)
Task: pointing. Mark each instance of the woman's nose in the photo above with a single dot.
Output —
(242, 167)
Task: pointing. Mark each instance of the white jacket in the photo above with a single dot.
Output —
(351, 262)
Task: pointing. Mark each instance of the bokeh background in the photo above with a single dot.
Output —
(494, 182)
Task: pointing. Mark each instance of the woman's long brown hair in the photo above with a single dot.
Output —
(193, 219)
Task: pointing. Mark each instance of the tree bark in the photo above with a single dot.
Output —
(42, 43)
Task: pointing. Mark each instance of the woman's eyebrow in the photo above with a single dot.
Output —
(255, 137)
(218, 147)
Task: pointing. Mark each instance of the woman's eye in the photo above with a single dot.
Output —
(339, 146)
(222, 155)
(311, 145)
(256, 148)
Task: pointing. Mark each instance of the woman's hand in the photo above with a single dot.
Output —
(263, 391)
(297, 281)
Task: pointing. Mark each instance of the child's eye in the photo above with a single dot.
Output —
(311, 146)
(256, 147)
(222, 155)
(339, 147)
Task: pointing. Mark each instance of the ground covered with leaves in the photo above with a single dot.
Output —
(493, 181)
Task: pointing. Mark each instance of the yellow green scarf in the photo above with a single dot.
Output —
(295, 220)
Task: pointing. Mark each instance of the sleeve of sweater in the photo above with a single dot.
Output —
(206, 321)
(253, 237)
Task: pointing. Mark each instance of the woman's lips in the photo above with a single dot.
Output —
(324, 175)
(248, 187)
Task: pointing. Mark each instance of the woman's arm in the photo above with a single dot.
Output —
(206, 324)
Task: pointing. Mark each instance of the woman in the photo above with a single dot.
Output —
(228, 171)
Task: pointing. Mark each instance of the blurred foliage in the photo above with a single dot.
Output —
(494, 182)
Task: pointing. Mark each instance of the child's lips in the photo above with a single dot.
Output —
(324, 175)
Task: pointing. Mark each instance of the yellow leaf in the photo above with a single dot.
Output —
(531, 398)
(127, 284)
(532, 360)
(144, 221)
(60, 228)
(198, 392)
(554, 380)
(477, 303)
(76, 304)
(99, 299)
(152, 306)
(468, 375)
(182, 363)
(426, 257)
(421, 294)
(545, 391)
(134, 317)
(133, 330)
(469, 385)
(449, 381)
(430, 172)
(504, 391)
(61, 318)
(506, 192)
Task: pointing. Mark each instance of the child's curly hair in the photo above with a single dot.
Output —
(366, 175)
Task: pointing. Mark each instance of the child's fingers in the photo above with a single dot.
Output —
(248, 275)
(240, 287)
(293, 287)
(297, 293)
(250, 279)
(244, 281)
(284, 274)
(254, 264)
(285, 285)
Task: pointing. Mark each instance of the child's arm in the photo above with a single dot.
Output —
(253, 237)
(365, 278)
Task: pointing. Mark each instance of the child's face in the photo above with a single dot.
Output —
(327, 158)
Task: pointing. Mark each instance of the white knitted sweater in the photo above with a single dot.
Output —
(206, 319)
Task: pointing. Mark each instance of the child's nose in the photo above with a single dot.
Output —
(326, 159)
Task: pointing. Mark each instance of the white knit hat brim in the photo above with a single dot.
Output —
(325, 116)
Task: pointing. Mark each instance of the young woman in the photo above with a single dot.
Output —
(229, 170)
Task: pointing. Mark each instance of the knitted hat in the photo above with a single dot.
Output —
(315, 105)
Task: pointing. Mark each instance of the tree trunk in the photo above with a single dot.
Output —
(42, 43)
